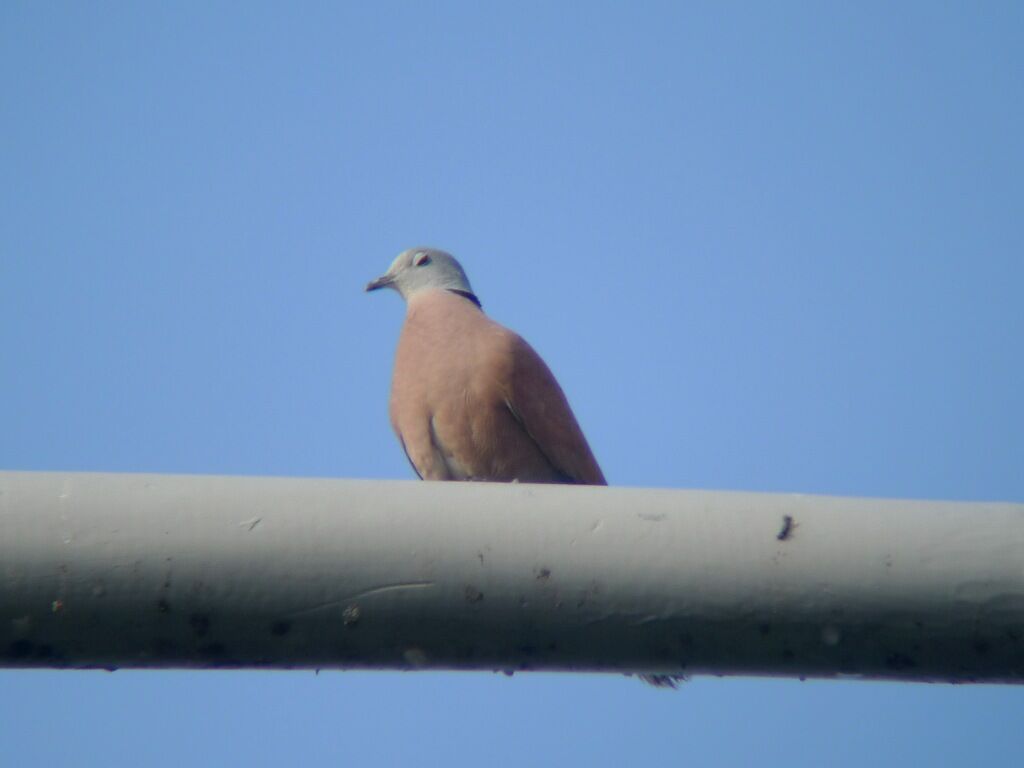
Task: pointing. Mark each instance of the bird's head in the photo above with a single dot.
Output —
(419, 269)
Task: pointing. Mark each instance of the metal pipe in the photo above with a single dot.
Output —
(117, 570)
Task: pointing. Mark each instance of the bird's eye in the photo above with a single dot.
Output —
(422, 259)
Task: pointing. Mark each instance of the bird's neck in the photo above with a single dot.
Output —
(467, 295)
(442, 302)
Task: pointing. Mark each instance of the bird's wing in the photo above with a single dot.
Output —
(538, 404)
(407, 456)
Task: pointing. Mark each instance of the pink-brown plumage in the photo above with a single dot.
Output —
(471, 400)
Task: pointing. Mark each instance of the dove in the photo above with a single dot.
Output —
(470, 399)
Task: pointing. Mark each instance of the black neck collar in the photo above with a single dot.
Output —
(467, 295)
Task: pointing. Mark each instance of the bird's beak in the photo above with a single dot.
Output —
(381, 282)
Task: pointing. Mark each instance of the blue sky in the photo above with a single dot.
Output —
(774, 247)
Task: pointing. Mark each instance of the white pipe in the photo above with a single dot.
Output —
(199, 571)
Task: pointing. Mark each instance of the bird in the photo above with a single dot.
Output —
(470, 399)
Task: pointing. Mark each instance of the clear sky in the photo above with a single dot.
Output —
(764, 246)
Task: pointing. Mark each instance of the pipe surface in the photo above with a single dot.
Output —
(122, 570)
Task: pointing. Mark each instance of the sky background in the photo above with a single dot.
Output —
(765, 246)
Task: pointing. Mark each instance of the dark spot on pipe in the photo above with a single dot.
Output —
(787, 654)
(685, 640)
(542, 574)
(652, 517)
(350, 616)
(899, 661)
(481, 556)
(764, 629)
(163, 606)
(786, 531)
(982, 647)
(473, 595)
(280, 628)
(200, 624)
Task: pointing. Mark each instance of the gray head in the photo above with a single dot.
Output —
(419, 269)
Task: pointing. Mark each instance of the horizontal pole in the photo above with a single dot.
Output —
(118, 570)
